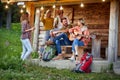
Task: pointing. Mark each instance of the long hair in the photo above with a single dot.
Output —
(81, 20)
(24, 16)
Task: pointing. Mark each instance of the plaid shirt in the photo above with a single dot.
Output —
(25, 25)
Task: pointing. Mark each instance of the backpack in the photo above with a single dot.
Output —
(49, 53)
(84, 65)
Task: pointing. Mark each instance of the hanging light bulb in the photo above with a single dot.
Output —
(6, 6)
(24, 6)
(81, 5)
(103, 0)
(38, 11)
(8, 2)
(21, 11)
(61, 8)
(54, 6)
(42, 8)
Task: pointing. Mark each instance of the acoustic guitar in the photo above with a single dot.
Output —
(79, 36)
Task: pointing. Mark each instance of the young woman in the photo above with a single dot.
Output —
(25, 36)
(48, 23)
(80, 34)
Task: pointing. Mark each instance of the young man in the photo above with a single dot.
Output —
(59, 37)
(62, 37)
(58, 19)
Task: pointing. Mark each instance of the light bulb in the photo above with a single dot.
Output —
(61, 8)
(21, 11)
(8, 2)
(103, 0)
(6, 6)
(41, 8)
(54, 6)
(38, 11)
(81, 5)
(24, 6)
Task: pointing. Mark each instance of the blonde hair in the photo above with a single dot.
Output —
(82, 21)
(24, 16)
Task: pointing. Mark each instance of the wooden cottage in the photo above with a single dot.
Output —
(101, 17)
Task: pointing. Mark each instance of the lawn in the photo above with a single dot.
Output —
(12, 68)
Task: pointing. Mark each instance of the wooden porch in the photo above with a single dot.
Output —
(101, 17)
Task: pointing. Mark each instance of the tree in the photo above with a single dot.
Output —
(1, 13)
(10, 15)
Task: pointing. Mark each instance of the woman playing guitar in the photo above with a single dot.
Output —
(80, 36)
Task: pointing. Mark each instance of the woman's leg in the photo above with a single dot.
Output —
(29, 49)
(75, 45)
(23, 48)
(47, 36)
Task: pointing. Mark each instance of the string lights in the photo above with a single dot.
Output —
(22, 6)
(7, 5)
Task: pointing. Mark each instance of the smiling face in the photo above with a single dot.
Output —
(64, 22)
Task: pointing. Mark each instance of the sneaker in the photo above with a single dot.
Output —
(72, 59)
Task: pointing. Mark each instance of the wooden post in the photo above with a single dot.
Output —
(36, 31)
(96, 46)
(113, 31)
(119, 34)
(31, 10)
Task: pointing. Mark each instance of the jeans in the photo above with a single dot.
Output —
(61, 40)
(47, 36)
(76, 42)
(27, 49)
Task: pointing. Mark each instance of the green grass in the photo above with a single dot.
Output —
(12, 68)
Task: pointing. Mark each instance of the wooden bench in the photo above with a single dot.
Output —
(67, 51)
(94, 49)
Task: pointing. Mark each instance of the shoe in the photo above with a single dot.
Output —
(72, 58)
